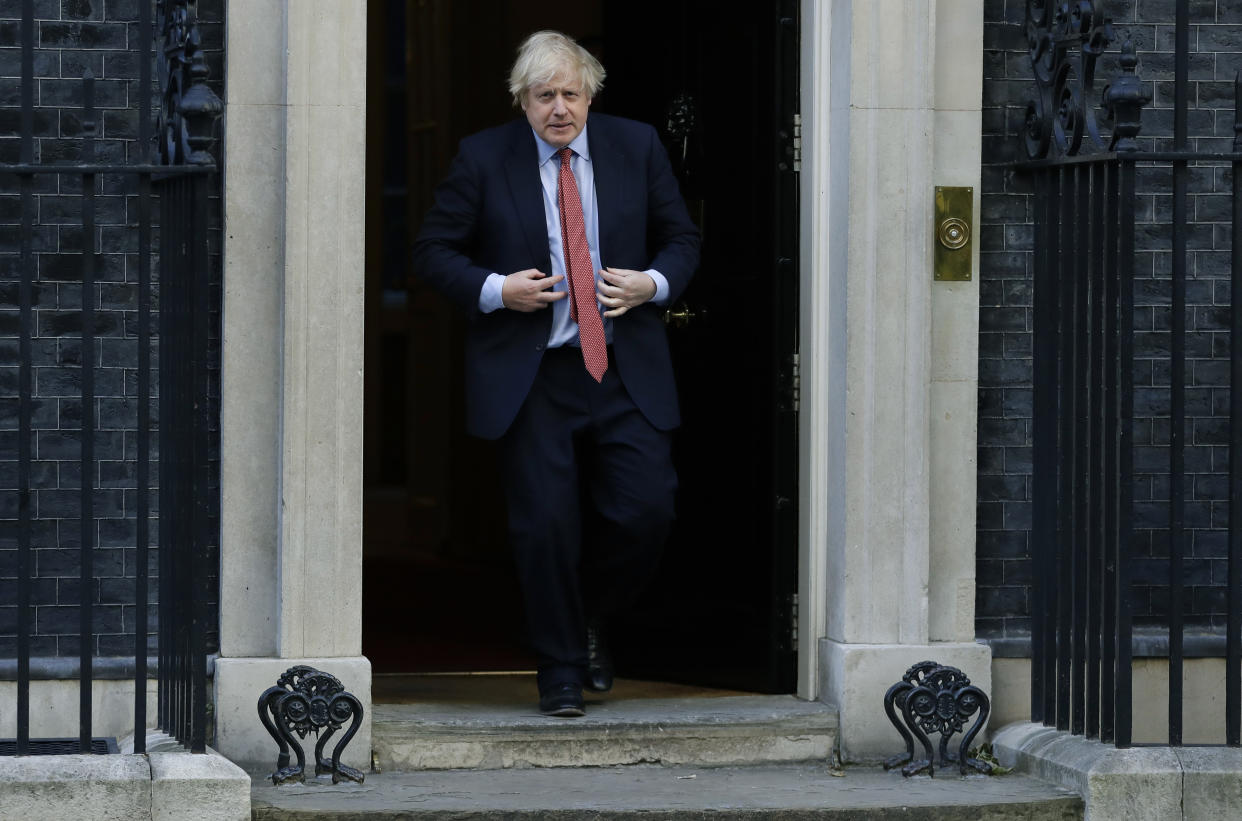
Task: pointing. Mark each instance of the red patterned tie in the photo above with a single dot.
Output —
(581, 273)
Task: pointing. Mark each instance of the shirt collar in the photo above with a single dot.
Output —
(579, 145)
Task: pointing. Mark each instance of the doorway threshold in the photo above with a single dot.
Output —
(512, 689)
(492, 722)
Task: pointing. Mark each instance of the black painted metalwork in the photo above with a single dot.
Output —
(1108, 373)
(142, 473)
(1043, 425)
(25, 611)
(184, 432)
(1097, 438)
(180, 181)
(934, 698)
(1065, 519)
(58, 746)
(190, 108)
(1123, 639)
(1177, 377)
(303, 701)
(1065, 40)
(1083, 471)
(186, 121)
(1233, 630)
(86, 560)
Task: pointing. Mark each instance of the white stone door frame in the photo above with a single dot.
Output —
(891, 99)
(815, 325)
(891, 107)
(292, 360)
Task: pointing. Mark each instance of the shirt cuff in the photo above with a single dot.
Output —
(491, 295)
(661, 294)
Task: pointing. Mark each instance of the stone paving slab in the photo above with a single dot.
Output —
(793, 791)
(1134, 783)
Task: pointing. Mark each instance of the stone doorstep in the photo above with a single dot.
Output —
(1138, 783)
(785, 791)
(163, 786)
(695, 731)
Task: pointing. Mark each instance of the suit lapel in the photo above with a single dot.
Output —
(523, 176)
(609, 181)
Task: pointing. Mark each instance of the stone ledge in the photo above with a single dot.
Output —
(161, 786)
(200, 787)
(1138, 783)
(768, 792)
(1148, 643)
(56, 787)
(715, 731)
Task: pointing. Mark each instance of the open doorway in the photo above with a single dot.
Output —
(439, 590)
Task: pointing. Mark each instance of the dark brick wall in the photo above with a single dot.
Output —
(72, 36)
(1005, 313)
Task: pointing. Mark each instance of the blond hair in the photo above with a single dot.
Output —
(545, 55)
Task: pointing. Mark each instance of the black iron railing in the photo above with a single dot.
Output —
(1084, 337)
(177, 179)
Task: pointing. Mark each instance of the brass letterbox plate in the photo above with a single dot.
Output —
(953, 233)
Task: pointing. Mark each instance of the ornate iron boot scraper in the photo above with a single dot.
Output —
(307, 700)
(934, 698)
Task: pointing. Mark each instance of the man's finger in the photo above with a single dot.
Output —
(551, 296)
(623, 288)
(615, 312)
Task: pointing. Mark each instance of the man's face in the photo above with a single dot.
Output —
(557, 110)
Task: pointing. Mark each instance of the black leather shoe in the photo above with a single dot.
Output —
(562, 700)
(599, 661)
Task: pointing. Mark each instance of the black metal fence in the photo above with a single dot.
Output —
(173, 290)
(1083, 422)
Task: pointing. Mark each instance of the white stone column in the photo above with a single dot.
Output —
(896, 374)
(292, 371)
(957, 148)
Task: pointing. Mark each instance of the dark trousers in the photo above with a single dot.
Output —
(580, 456)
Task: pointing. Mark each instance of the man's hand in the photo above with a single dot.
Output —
(530, 290)
(622, 289)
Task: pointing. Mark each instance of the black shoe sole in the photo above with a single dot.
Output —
(564, 712)
(563, 701)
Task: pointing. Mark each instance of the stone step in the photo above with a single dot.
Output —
(732, 730)
(652, 793)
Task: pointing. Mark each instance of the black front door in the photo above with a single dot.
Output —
(722, 87)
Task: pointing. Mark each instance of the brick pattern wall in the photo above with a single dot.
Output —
(1005, 397)
(71, 37)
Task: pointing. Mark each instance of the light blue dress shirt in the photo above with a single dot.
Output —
(564, 329)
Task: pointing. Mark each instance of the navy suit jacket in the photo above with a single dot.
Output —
(488, 218)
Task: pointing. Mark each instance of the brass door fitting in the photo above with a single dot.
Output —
(954, 233)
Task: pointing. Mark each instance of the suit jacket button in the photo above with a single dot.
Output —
(539, 346)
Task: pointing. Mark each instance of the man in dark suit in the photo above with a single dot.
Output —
(563, 243)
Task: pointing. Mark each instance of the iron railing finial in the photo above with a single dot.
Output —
(1125, 99)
